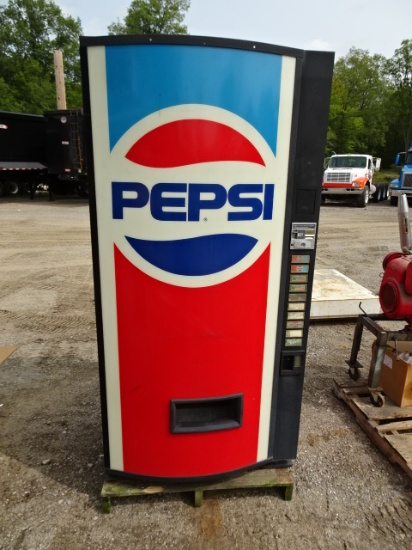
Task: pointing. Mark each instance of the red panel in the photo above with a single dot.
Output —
(188, 343)
(184, 142)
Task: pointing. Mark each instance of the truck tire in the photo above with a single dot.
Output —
(2, 189)
(82, 189)
(58, 188)
(394, 201)
(26, 187)
(362, 200)
(13, 188)
(377, 196)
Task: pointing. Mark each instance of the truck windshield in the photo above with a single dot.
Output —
(408, 159)
(354, 161)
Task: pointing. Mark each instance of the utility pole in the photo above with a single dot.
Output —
(59, 76)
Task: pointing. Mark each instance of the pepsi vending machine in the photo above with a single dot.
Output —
(206, 161)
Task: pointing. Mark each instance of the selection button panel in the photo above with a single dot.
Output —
(298, 287)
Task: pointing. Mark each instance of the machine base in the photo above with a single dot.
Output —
(262, 478)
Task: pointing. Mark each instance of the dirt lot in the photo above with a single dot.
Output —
(347, 495)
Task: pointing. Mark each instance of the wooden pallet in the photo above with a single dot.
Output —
(389, 426)
(263, 478)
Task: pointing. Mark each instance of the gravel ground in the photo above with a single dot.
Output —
(347, 494)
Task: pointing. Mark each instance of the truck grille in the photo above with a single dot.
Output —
(338, 177)
(407, 180)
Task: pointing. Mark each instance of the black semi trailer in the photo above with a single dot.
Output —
(42, 152)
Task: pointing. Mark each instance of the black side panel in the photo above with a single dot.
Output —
(22, 138)
(312, 130)
(312, 126)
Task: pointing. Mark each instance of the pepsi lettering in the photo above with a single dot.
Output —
(181, 202)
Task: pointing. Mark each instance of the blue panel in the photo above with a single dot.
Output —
(197, 256)
(142, 79)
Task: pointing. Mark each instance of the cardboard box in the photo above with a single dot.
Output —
(396, 374)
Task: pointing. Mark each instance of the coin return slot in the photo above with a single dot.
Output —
(206, 415)
(292, 363)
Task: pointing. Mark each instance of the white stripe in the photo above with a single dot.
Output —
(101, 149)
(281, 176)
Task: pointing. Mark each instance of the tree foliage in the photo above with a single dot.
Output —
(30, 30)
(371, 103)
(399, 105)
(153, 17)
(356, 121)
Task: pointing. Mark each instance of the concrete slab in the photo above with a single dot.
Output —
(335, 296)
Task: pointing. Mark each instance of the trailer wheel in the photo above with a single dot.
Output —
(362, 200)
(13, 188)
(1, 189)
(394, 201)
(82, 189)
(58, 188)
(377, 196)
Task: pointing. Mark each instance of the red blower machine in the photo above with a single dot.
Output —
(395, 293)
(395, 297)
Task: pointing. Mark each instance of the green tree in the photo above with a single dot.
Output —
(399, 106)
(30, 30)
(153, 17)
(357, 121)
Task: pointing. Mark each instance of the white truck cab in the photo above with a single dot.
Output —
(350, 175)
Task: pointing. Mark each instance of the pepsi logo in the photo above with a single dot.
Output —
(193, 194)
(192, 141)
